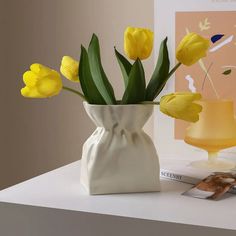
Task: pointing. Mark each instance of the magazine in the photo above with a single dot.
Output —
(213, 187)
(182, 171)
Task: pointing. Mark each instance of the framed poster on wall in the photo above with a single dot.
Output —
(175, 18)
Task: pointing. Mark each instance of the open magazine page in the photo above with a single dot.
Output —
(182, 171)
(213, 187)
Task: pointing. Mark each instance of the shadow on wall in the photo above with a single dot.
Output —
(40, 135)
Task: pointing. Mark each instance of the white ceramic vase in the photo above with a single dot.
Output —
(119, 157)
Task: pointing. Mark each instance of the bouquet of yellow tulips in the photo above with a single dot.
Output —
(43, 82)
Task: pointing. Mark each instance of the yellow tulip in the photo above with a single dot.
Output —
(41, 82)
(138, 43)
(192, 48)
(70, 68)
(181, 106)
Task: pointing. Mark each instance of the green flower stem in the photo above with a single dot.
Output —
(74, 91)
(150, 102)
(170, 74)
(174, 69)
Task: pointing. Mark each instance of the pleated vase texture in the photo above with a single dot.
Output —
(119, 157)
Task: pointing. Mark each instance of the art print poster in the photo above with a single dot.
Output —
(213, 76)
(209, 18)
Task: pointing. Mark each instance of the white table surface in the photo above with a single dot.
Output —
(60, 189)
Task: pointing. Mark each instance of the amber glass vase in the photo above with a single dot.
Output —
(215, 130)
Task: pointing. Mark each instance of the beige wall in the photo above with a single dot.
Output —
(39, 135)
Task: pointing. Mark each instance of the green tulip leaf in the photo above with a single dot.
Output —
(88, 86)
(227, 72)
(98, 74)
(136, 88)
(160, 74)
(125, 66)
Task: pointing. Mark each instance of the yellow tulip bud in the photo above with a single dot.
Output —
(138, 43)
(192, 48)
(70, 68)
(181, 106)
(41, 82)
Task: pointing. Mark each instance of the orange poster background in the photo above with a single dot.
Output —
(208, 24)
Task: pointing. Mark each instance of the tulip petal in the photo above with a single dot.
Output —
(30, 78)
(31, 92)
(181, 106)
(192, 48)
(41, 82)
(140, 38)
(70, 68)
(130, 47)
(40, 69)
(49, 86)
(138, 43)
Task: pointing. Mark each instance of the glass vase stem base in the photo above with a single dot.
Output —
(214, 165)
